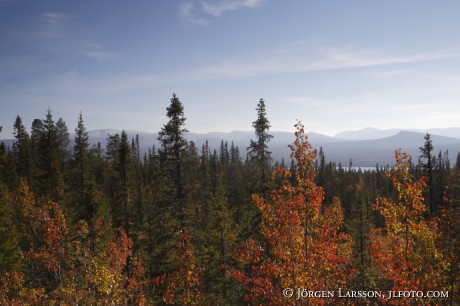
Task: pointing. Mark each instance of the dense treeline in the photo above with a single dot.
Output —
(83, 224)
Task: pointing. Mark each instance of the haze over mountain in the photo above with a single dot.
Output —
(373, 133)
(364, 153)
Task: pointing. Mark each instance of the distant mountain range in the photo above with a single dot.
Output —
(372, 133)
(365, 147)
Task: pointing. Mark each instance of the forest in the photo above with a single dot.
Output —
(82, 224)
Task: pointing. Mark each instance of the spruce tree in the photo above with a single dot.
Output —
(22, 150)
(35, 136)
(258, 150)
(80, 150)
(172, 154)
(121, 191)
(80, 172)
(125, 169)
(427, 168)
(63, 142)
(51, 182)
(166, 211)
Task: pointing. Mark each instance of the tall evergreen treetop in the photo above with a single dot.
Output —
(81, 137)
(80, 149)
(171, 136)
(50, 177)
(63, 142)
(37, 132)
(21, 150)
(258, 150)
(173, 151)
(428, 167)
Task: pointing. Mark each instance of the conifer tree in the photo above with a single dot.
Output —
(80, 150)
(125, 170)
(120, 188)
(81, 196)
(35, 136)
(63, 142)
(258, 150)
(22, 150)
(51, 182)
(172, 155)
(359, 226)
(428, 168)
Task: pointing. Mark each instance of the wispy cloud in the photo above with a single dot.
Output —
(102, 56)
(217, 9)
(53, 25)
(313, 59)
(186, 14)
(72, 83)
(52, 18)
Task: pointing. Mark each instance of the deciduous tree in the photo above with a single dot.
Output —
(303, 246)
(405, 249)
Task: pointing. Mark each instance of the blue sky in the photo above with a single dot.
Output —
(335, 65)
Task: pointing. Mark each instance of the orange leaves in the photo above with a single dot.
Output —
(136, 282)
(183, 285)
(303, 246)
(449, 243)
(55, 227)
(405, 248)
(76, 267)
(120, 250)
(14, 293)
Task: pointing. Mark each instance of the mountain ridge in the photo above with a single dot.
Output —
(363, 153)
(374, 133)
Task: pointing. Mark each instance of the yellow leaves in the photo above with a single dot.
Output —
(76, 268)
(303, 243)
(409, 253)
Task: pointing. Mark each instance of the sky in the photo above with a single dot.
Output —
(334, 65)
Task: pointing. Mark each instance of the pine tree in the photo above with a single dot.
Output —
(63, 142)
(428, 168)
(258, 150)
(172, 155)
(22, 150)
(35, 136)
(81, 193)
(218, 233)
(50, 184)
(125, 169)
(359, 226)
(80, 150)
